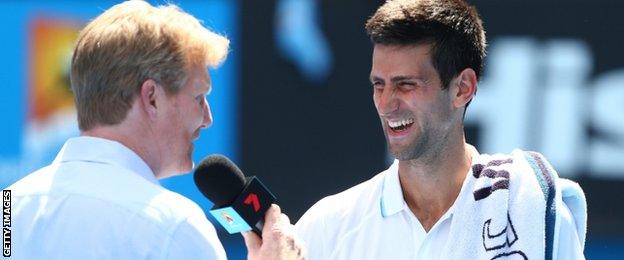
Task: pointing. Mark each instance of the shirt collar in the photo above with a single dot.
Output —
(392, 200)
(99, 150)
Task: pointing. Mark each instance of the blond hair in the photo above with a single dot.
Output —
(130, 43)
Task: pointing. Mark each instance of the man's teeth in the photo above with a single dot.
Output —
(400, 123)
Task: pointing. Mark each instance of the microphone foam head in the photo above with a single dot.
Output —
(219, 179)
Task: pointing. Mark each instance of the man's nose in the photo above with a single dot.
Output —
(207, 120)
(388, 101)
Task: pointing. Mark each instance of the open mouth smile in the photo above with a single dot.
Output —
(400, 125)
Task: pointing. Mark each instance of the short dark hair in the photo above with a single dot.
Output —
(452, 27)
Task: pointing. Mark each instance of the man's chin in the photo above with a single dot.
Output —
(396, 149)
(181, 169)
(395, 152)
(187, 167)
(404, 153)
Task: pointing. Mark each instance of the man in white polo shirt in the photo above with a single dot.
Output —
(441, 199)
(140, 80)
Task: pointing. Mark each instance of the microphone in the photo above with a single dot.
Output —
(239, 202)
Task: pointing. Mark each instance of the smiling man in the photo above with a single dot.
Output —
(140, 80)
(441, 198)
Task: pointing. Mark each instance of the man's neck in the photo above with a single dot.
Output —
(128, 137)
(430, 188)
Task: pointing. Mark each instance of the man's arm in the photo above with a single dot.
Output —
(311, 228)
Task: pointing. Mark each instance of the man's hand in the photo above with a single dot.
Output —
(278, 239)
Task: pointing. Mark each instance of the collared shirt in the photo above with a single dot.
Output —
(100, 200)
(372, 221)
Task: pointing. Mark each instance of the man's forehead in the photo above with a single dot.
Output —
(401, 61)
(204, 82)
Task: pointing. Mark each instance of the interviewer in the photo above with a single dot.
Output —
(140, 80)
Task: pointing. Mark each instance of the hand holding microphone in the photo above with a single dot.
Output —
(278, 239)
(240, 205)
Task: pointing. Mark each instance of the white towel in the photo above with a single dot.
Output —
(507, 209)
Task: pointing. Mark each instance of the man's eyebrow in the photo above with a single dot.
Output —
(204, 86)
(375, 78)
(402, 78)
(396, 78)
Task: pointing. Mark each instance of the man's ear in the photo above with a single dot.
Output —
(148, 97)
(464, 88)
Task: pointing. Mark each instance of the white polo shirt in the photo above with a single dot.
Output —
(373, 221)
(99, 200)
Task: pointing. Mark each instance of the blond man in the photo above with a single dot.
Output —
(139, 75)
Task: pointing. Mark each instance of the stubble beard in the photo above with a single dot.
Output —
(412, 151)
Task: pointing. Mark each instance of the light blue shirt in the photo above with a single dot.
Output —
(100, 200)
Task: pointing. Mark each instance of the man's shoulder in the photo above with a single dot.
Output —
(328, 221)
(105, 188)
(169, 203)
(518, 160)
(137, 218)
(36, 181)
(354, 201)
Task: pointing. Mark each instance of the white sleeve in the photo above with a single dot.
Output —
(194, 238)
(569, 246)
(310, 228)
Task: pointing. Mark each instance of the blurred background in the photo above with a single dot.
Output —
(293, 105)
